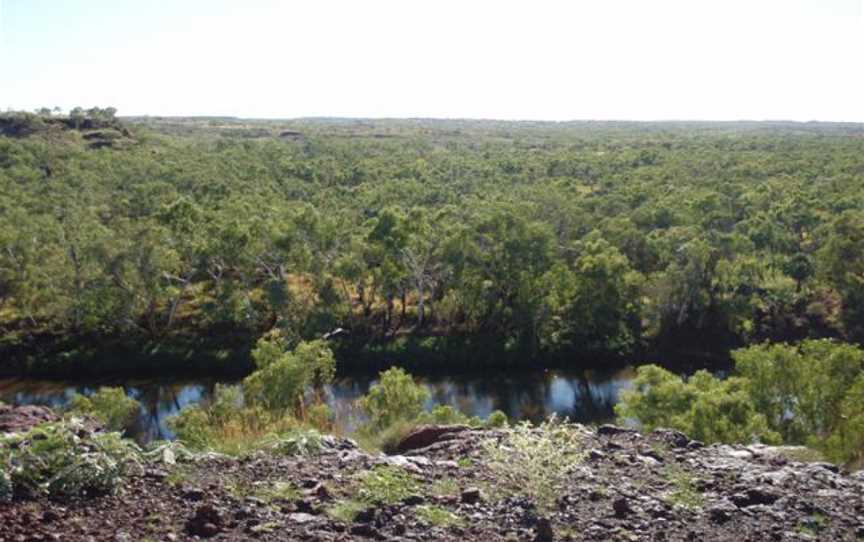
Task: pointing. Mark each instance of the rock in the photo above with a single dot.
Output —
(364, 529)
(427, 435)
(301, 517)
(366, 515)
(471, 495)
(308, 483)
(543, 531)
(755, 496)
(193, 494)
(321, 492)
(827, 466)
(737, 454)
(648, 461)
(22, 418)
(596, 455)
(721, 511)
(673, 438)
(608, 430)
(168, 456)
(413, 500)
(402, 461)
(621, 507)
(206, 522)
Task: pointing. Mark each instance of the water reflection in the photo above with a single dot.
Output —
(583, 396)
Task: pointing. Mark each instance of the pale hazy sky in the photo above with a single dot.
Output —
(534, 59)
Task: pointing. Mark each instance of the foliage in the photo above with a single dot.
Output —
(808, 393)
(395, 397)
(800, 388)
(111, 406)
(705, 407)
(544, 238)
(497, 419)
(282, 377)
(535, 461)
(226, 425)
(846, 442)
(53, 460)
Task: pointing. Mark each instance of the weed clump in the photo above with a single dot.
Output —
(535, 461)
(54, 460)
(436, 516)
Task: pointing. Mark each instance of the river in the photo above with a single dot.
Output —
(585, 396)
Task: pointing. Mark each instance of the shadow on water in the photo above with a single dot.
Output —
(584, 396)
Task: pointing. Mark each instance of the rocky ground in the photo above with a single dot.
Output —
(627, 486)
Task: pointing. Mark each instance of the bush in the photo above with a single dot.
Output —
(282, 377)
(846, 443)
(395, 397)
(52, 460)
(226, 425)
(447, 415)
(704, 407)
(320, 416)
(535, 461)
(110, 406)
(497, 419)
(800, 388)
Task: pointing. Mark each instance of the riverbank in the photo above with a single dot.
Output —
(225, 354)
(455, 483)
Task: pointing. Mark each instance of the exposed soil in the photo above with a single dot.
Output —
(660, 486)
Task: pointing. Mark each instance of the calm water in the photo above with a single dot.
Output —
(583, 396)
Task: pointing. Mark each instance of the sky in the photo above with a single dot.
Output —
(532, 59)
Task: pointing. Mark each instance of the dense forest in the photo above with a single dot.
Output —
(486, 241)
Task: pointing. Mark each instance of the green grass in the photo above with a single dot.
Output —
(437, 516)
(684, 492)
(386, 485)
(346, 510)
(444, 487)
(278, 491)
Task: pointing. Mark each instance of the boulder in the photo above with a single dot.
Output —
(427, 435)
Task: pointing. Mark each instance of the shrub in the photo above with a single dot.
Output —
(535, 461)
(447, 415)
(226, 425)
(320, 416)
(53, 460)
(395, 397)
(704, 407)
(846, 443)
(497, 419)
(110, 406)
(282, 377)
(800, 388)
